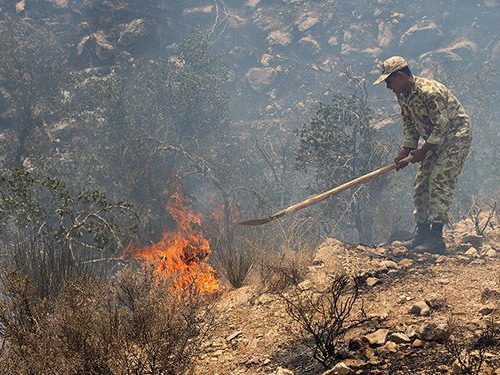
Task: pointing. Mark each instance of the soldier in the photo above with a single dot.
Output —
(430, 111)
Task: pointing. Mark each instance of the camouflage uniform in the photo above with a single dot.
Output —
(432, 112)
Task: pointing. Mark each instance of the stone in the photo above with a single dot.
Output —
(134, 35)
(389, 346)
(372, 281)
(306, 21)
(310, 43)
(279, 37)
(417, 343)
(260, 77)
(420, 308)
(406, 262)
(473, 239)
(472, 252)
(491, 253)
(377, 338)
(399, 338)
(234, 336)
(389, 264)
(422, 37)
(96, 44)
(339, 369)
(432, 331)
(283, 371)
(487, 309)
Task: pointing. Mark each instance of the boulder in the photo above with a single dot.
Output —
(260, 77)
(377, 338)
(421, 37)
(399, 338)
(420, 308)
(339, 369)
(283, 371)
(309, 44)
(95, 45)
(279, 37)
(433, 331)
(135, 36)
(306, 20)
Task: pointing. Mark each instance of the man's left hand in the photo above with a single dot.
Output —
(420, 153)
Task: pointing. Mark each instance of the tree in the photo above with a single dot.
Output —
(340, 144)
(32, 77)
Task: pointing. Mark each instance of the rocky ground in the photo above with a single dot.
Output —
(411, 299)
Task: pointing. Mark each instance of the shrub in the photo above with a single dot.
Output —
(325, 316)
(135, 324)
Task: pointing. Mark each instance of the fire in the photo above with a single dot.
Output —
(183, 253)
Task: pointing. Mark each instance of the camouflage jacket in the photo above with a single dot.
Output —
(431, 111)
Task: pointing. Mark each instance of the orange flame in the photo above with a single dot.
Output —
(182, 254)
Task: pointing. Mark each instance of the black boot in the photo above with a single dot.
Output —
(420, 236)
(434, 244)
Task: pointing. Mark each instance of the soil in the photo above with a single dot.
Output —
(255, 335)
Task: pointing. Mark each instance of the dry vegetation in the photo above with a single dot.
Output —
(134, 325)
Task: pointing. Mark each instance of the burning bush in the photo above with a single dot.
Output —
(132, 325)
(181, 254)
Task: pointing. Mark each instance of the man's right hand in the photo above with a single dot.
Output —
(403, 153)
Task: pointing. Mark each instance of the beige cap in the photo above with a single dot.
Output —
(389, 66)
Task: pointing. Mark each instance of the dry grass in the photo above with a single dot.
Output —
(134, 325)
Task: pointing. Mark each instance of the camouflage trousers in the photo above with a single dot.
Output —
(436, 179)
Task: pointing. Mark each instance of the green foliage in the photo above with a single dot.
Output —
(339, 144)
(45, 208)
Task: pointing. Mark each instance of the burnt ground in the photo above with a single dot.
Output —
(255, 335)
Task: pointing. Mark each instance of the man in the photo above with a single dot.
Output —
(430, 111)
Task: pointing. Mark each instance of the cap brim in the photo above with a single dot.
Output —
(381, 79)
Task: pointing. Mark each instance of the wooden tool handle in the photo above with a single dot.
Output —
(319, 197)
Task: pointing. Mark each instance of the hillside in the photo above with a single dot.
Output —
(410, 299)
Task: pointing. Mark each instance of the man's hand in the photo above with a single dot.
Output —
(403, 153)
(419, 153)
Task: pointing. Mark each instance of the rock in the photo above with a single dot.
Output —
(304, 285)
(134, 35)
(252, 3)
(465, 49)
(491, 253)
(389, 264)
(234, 336)
(417, 343)
(472, 252)
(279, 37)
(355, 344)
(201, 12)
(399, 338)
(283, 371)
(377, 338)
(433, 331)
(473, 239)
(406, 262)
(260, 77)
(385, 35)
(422, 37)
(436, 302)
(420, 308)
(389, 346)
(310, 43)
(339, 369)
(488, 309)
(96, 44)
(306, 21)
(372, 281)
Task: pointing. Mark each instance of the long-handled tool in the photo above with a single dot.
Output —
(319, 197)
